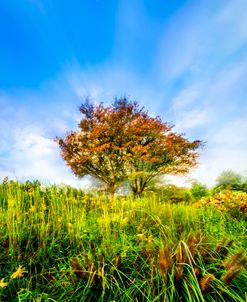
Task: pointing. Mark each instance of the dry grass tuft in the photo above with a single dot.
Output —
(77, 268)
(234, 265)
(237, 259)
(206, 282)
(178, 273)
(117, 260)
(232, 273)
(165, 261)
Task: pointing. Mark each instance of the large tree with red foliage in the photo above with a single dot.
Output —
(122, 142)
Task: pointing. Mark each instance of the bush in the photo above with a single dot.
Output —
(233, 202)
(174, 194)
(232, 187)
(198, 191)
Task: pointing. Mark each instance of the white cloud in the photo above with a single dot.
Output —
(232, 135)
(226, 149)
(215, 112)
(33, 156)
(101, 84)
(192, 119)
(27, 147)
(209, 103)
(233, 19)
(109, 81)
(199, 39)
(186, 98)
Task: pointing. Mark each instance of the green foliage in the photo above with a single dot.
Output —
(174, 194)
(198, 190)
(231, 186)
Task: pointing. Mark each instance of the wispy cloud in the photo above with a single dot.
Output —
(203, 39)
(215, 110)
(27, 146)
(110, 80)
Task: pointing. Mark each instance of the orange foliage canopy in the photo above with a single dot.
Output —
(122, 142)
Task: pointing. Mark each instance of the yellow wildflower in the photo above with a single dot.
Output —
(141, 237)
(32, 209)
(3, 284)
(125, 221)
(70, 225)
(149, 239)
(43, 206)
(19, 273)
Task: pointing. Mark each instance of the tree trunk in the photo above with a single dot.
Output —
(111, 189)
(137, 188)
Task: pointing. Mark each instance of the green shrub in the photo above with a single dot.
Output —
(198, 191)
(174, 194)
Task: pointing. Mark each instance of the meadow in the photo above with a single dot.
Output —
(61, 244)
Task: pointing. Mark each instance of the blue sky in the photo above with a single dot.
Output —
(183, 60)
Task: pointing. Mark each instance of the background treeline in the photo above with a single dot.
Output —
(167, 192)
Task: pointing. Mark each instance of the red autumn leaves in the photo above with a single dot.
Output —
(122, 142)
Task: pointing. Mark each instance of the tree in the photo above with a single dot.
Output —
(122, 142)
(229, 179)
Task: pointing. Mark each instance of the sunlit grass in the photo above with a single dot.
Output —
(69, 246)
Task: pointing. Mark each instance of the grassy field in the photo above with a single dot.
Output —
(59, 244)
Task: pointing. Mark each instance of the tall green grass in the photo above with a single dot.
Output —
(79, 247)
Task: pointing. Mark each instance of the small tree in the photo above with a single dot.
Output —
(122, 142)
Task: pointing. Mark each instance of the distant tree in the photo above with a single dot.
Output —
(229, 179)
(122, 142)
